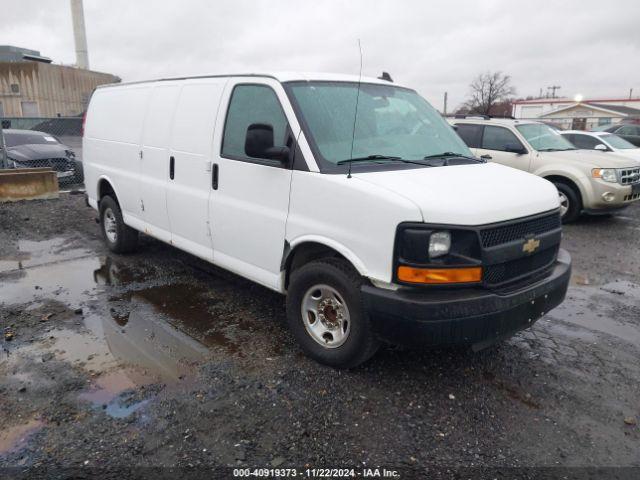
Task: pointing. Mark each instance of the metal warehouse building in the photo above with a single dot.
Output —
(32, 86)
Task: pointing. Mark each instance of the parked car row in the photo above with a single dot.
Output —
(34, 149)
(595, 175)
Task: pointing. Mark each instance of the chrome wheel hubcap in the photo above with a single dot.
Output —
(564, 203)
(110, 224)
(325, 316)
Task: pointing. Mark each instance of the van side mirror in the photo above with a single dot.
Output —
(514, 148)
(601, 147)
(259, 143)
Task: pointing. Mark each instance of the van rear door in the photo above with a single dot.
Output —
(250, 199)
(189, 174)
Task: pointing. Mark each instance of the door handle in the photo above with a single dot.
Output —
(486, 157)
(214, 177)
(172, 167)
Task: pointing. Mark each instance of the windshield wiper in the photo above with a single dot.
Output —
(447, 155)
(386, 158)
(368, 158)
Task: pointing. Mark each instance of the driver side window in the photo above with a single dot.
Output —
(252, 104)
(498, 138)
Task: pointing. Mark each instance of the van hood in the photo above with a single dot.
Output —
(593, 158)
(468, 194)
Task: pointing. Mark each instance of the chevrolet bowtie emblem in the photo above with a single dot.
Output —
(531, 245)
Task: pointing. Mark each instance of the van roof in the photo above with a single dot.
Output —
(279, 76)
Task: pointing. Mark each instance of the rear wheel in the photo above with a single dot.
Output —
(325, 314)
(570, 203)
(120, 238)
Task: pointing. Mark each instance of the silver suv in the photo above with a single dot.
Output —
(587, 181)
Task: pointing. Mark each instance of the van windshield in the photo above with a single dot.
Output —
(391, 122)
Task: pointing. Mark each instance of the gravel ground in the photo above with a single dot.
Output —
(158, 359)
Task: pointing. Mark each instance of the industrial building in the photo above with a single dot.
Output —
(32, 86)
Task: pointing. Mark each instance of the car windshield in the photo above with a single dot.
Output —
(16, 139)
(543, 138)
(617, 142)
(390, 122)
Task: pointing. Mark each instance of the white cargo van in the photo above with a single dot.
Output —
(379, 225)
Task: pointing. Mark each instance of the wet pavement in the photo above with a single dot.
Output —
(158, 358)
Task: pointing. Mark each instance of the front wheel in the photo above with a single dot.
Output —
(570, 204)
(325, 314)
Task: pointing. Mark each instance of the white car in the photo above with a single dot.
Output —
(603, 141)
(379, 225)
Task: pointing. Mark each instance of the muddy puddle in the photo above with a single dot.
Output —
(12, 438)
(129, 332)
(34, 253)
(612, 309)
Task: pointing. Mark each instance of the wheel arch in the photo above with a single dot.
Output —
(553, 178)
(306, 249)
(105, 187)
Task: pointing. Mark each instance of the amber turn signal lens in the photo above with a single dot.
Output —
(439, 276)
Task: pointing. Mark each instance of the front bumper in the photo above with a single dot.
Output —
(621, 196)
(463, 316)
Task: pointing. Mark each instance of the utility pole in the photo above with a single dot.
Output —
(630, 93)
(445, 104)
(553, 89)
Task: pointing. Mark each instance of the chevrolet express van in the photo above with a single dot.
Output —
(354, 198)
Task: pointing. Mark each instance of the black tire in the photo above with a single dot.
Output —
(360, 343)
(125, 239)
(574, 202)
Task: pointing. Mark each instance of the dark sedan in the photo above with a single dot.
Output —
(629, 131)
(32, 149)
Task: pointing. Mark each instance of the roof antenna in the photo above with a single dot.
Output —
(386, 76)
(355, 117)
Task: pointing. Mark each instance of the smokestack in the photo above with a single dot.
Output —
(80, 34)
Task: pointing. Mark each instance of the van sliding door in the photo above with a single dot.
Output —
(189, 164)
(154, 164)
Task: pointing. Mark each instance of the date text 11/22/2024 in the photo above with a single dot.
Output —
(316, 472)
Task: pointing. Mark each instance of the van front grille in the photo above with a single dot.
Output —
(507, 233)
(501, 273)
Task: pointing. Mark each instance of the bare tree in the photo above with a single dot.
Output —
(487, 90)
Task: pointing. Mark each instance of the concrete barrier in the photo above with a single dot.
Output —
(28, 184)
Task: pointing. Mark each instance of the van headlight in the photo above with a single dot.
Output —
(425, 254)
(605, 174)
(439, 244)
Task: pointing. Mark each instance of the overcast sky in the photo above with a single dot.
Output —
(587, 47)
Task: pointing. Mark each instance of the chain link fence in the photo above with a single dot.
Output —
(34, 142)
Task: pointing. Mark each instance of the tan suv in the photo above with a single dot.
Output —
(587, 181)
